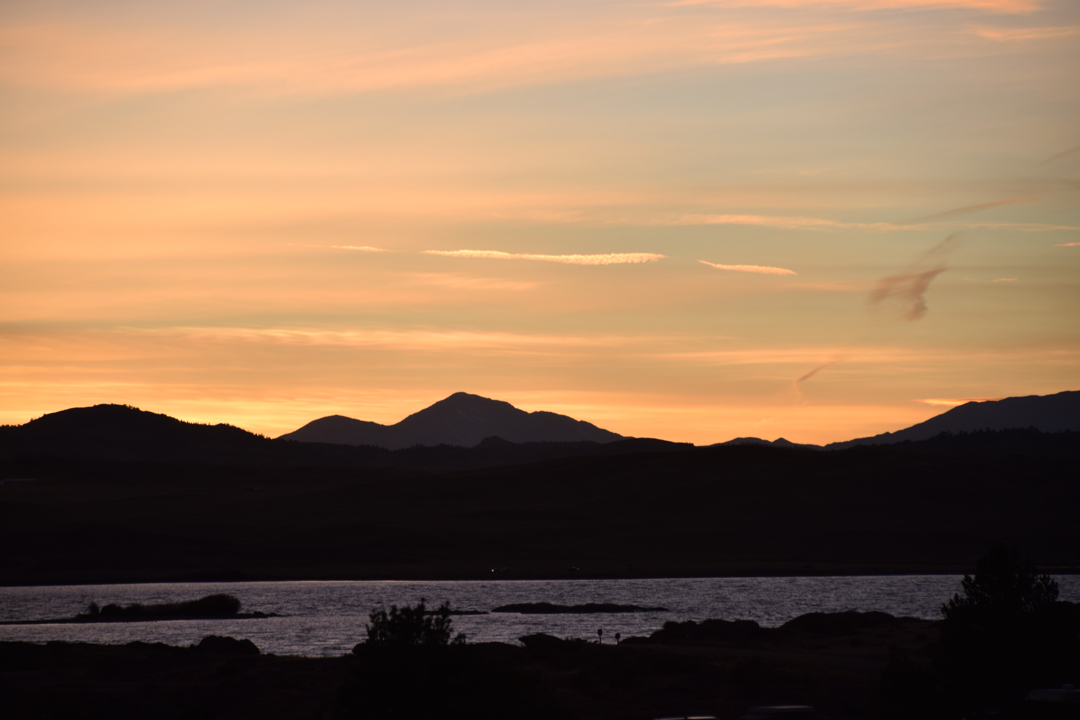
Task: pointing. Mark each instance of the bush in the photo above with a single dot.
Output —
(1006, 634)
(411, 626)
(413, 666)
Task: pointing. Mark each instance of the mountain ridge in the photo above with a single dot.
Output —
(1046, 413)
(462, 419)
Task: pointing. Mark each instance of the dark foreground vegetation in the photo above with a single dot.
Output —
(1003, 637)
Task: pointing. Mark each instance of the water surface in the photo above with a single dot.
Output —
(327, 618)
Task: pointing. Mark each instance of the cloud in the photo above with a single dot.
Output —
(953, 402)
(605, 259)
(909, 289)
(363, 248)
(1003, 280)
(332, 53)
(391, 339)
(797, 384)
(462, 282)
(1061, 154)
(963, 211)
(994, 6)
(811, 223)
(763, 269)
(783, 222)
(1072, 244)
(1019, 34)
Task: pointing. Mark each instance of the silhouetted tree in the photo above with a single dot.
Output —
(413, 666)
(1006, 634)
(411, 626)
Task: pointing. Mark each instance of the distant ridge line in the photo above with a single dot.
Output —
(461, 419)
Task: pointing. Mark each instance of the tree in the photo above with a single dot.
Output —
(410, 666)
(1006, 633)
(1005, 590)
(411, 626)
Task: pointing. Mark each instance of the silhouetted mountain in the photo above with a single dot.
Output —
(1046, 413)
(127, 433)
(461, 419)
(120, 433)
(1025, 442)
(778, 442)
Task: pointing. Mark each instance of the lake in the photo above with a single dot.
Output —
(327, 618)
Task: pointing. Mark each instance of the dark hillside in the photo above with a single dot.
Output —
(734, 510)
(1045, 413)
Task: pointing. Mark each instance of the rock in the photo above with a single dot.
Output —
(224, 645)
(842, 623)
(541, 641)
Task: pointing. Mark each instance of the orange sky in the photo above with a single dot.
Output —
(816, 219)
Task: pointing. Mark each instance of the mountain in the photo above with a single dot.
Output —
(461, 419)
(121, 433)
(778, 442)
(1045, 413)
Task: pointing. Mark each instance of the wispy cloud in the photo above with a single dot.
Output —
(789, 222)
(994, 6)
(763, 269)
(1020, 34)
(780, 221)
(1072, 244)
(953, 402)
(463, 282)
(909, 289)
(1061, 154)
(797, 384)
(363, 248)
(1003, 280)
(485, 53)
(393, 339)
(604, 259)
(963, 211)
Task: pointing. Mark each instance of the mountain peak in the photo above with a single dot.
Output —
(462, 419)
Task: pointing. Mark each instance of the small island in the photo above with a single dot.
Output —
(211, 607)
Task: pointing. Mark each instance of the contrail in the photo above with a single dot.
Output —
(1061, 154)
(962, 211)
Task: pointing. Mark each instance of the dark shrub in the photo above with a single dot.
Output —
(1006, 634)
(413, 666)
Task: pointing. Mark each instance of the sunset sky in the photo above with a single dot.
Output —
(695, 220)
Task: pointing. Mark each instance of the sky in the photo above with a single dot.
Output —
(694, 220)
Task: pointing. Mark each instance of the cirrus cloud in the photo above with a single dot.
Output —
(762, 269)
(602, 259)
(953, 402)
